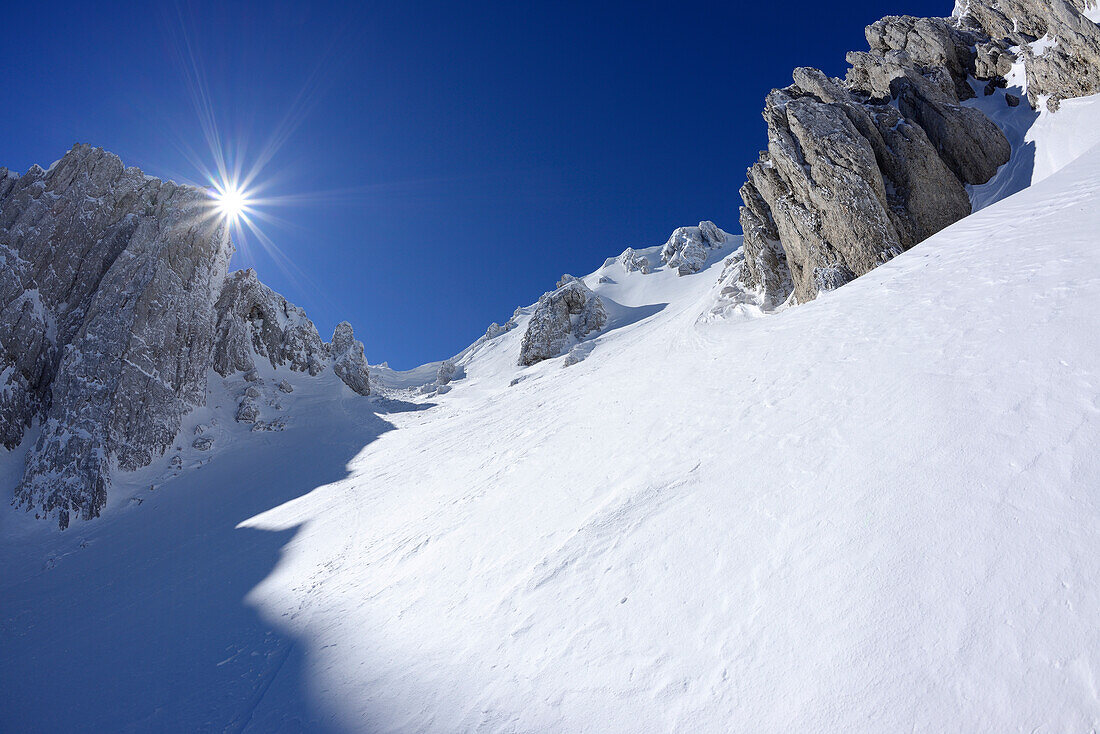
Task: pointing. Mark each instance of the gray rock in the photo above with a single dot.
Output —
(285, 387)
(348, 361)
(202, 443)
(821, 206)
(252, 318)
(1068, 68)
(447, 371)
(830, 277)
(248, 411)
(1012, 100)
(252, 391)
(279, 424)
(925, 43)
(633, 262)
(114, 305)
(968, 141)
(496, 329)
(766, 270)
(561, 316)
(843, 187)
(105, 320)
(688, 247)
(992, 59)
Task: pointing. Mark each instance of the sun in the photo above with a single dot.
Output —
(231, 201)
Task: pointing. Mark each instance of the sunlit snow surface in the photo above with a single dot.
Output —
(876, 512)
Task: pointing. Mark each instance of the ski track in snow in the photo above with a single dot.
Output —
(874, 512)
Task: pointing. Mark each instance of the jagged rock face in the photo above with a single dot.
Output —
(252, 318)
(348, 361)
(571, 312)
(969, 142)
(815, 214)
(926, 43)
(255, 320)
(105, 320)
(688, 247)
(848, 182)
(114, 305)
(843, 187)
(766, 269)
(1067, 67)
(447, 371)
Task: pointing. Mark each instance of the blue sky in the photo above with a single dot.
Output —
(448, 161)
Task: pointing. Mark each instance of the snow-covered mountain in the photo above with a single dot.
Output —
(701, 488)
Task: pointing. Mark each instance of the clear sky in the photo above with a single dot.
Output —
(439, 163)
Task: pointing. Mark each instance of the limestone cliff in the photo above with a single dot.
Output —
(861, 169)
(115, 302)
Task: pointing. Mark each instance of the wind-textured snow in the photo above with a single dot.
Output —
(874, 512)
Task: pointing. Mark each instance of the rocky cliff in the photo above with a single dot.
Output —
(115, 303)
(861, 169)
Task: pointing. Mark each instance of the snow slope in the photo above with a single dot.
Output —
(876, 512)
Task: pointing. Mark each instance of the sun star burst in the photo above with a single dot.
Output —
(231, 201)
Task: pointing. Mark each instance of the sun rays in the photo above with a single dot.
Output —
(231, 201)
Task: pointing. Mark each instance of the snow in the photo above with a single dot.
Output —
(1015, 122)
(874, 512)
(395, 380)
(1043, 142)
(1040, 47)
(1055, 150)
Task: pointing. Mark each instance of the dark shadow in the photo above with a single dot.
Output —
(620, 315)
(140, 620)
(385, 406)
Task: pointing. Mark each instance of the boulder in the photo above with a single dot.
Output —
(248, 411)
(348, 361)
(560, 317)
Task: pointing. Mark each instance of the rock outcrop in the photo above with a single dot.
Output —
(254, 320)
(860, 170)
(348, 361)
(560, 317)
(1059, 46)
(688, 247)
(633, 262)
(114, 305)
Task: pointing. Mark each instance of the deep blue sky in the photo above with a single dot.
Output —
(479, 150)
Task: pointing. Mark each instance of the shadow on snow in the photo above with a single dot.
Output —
(138, 621)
